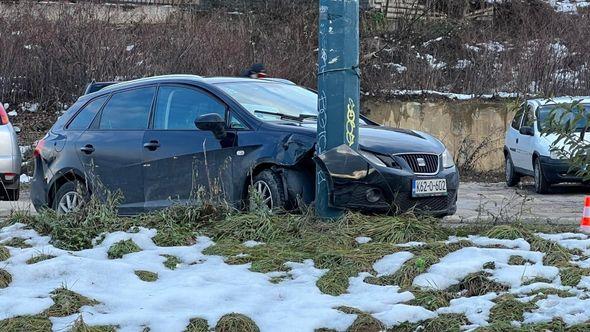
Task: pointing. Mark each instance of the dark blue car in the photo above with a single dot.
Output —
(176, 139)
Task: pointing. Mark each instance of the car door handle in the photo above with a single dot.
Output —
(88, 149)
(152, 145)
(517, 141)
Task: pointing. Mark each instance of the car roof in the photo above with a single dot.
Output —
(183, 78)
(559, 100)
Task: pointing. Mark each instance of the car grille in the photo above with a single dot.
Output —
(430, 165)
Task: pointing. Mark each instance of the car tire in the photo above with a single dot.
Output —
(68, 193)
(269, 186)
(542, 186)
(512, 177)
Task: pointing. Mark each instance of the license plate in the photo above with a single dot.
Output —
(432, 187)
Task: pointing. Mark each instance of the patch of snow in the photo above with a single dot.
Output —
(363, 239)
(493, 46)
(30, 107)
(388, 265)
(572, 310)
(397, 67)
(25, 178)
(252, 244)
(472, 48)
(425, 44)
(129, 48)
(410, 244)
(463, 64)
(476, 308)
(450, 95)
(209, 289)
(559, 50)
(457, 265)
(12, 113)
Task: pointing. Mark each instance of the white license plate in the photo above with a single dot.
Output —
(432, 187)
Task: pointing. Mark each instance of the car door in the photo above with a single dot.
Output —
(512, 135)
(524, 146)
(182, 163)
(111, 150)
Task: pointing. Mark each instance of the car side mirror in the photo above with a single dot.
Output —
(212, 122)
(527, 131)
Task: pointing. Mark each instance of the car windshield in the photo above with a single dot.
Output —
(545, 113)
(272, 101)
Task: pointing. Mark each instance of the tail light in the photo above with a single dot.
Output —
(261, 75)
(3, 115)
(39, 148)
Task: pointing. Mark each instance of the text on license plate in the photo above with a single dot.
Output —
(432, 187)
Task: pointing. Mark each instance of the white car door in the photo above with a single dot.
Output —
(525, 140)
(512, 135)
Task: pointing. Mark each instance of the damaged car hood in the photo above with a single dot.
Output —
(381, 139)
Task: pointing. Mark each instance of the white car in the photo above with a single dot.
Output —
(10, 159)
(527, 152)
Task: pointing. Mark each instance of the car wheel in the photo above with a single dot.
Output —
(69, 198)
(542, 186)
(269, 189)
(512, 178)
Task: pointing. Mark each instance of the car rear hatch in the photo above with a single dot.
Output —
(7, 162)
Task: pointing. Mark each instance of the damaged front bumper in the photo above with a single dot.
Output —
(357, 184)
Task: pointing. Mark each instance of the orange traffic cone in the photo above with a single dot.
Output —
(585, 223)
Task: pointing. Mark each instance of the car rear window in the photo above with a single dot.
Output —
(84, 118)
(128, 110)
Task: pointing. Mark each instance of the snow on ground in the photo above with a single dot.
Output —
(204, 286)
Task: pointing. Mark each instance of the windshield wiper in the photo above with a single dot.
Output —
(284, 116)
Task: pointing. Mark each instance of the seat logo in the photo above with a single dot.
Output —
(421, 162)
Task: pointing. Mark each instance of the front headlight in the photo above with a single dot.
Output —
(372, 158)
(447, 159)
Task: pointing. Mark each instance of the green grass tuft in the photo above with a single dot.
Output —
(81, 326)
(236, 322)
(171, 262)
(4, 253)
(38, 323)
(431, 299)
(479, 283)
(571, 276)
(398, 229)
(441, 323)
(67, 303)
(508, 309)
(508, 232)
(366, 323)
(518, 260)
(146, 276)
(39, 258)
(5, 278)
(122, 248)
(197, 325)
(16, 242)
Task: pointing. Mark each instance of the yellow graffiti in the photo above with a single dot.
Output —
(350, 123)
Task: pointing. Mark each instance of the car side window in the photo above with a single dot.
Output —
(128, 110)
(518, 117)
(529, 118)
(178, 107)
(84, 117)
(235, 123)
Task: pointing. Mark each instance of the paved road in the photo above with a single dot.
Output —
(478, 202)
(496, 202)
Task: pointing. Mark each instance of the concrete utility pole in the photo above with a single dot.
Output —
(338, 86)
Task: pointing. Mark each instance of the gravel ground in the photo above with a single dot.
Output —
(478, 202)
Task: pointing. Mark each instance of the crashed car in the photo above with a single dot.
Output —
(173, 139)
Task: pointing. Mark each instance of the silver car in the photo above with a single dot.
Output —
(10, 159)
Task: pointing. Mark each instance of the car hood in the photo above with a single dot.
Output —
(551, 141)
(384, 140)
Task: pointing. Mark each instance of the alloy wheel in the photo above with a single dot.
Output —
(70, 202)
(264, 193)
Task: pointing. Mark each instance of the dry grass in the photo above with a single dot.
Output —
(236, 322)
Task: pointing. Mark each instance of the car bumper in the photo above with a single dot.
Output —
(39, 196)
(352, 179)
(558, 171)
(9, 172)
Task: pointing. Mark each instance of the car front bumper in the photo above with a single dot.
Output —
(352, 179)
(558, 171)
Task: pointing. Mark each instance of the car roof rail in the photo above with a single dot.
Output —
(97, 86)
